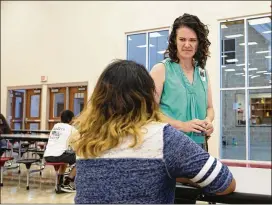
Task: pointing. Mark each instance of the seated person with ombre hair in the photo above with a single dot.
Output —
(126, 154)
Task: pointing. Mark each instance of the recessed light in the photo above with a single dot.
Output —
(232, 60)
(241, 64)
(255, 76)
(155, 35)
(161, 52)
(249, 43)
(234, 36)
(230, 69)
(263, 52)
(250, 69)
(144, 46)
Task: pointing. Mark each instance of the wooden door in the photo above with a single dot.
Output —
(33, 109)
(77, 99)
(17, 109)
(57, 105)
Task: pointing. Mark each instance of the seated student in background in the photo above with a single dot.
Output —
(57, 149)
(126, 154)
(4, 129)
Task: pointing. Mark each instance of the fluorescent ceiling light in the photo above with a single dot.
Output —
(262, 71)
(259, 21)
(223, 26)
(141, 46)
(267, 56)
(249, 43)
(266, 32)
(239, 73)
(224, 56)
(262, 51)
(155, 35)
(241, 64)
(223, 66)
(234, 36)
(228, 70)
(232, 60)
(248, 75)
(267, 73)
(144, 46)
(161, 52)
(255, 76)
(129, 39)
(250, 69)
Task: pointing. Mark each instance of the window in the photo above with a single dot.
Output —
(246, 105)
(147, 48)
(71, 97)
(228, 51)
(24, 108)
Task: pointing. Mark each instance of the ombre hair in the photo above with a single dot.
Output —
(121, 104)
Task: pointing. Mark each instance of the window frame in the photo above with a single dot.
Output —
(226, 52)
(146, 32)
(246, 87)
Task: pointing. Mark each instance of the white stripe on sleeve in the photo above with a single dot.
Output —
(204, 170)
(212, 176)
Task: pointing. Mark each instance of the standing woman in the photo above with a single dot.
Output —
(183, 88)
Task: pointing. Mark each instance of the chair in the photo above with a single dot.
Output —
(28, 163)
(56, 167)
(3, 160)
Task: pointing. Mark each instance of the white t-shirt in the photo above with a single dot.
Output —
(58, 139)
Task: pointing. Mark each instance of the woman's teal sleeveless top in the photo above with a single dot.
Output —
(182, 100)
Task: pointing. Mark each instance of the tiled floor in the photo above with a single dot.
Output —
(258, 153)
(41, 188)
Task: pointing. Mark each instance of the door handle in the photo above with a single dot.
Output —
(27, 120)
(53, 121)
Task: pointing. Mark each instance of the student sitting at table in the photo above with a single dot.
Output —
(126, 154)
(57, 149)
(4, 129)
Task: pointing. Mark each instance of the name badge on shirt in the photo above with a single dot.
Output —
(202, 74)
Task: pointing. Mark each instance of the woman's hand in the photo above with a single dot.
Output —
(194, 125)
(209, 127)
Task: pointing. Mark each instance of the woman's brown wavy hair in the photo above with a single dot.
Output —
(122, 102)
(201, 30)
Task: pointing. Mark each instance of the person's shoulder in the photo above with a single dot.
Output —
(170, 131)
(61, 126)
(158, 68)
(172, 135)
